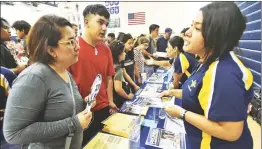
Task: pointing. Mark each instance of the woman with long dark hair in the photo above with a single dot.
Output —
(216, 95)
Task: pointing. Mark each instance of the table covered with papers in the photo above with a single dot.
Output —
(142, 123)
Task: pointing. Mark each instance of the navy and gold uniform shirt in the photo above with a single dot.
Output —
(184, 63)
(220, 92)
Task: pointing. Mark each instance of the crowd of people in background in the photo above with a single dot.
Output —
(48, 70)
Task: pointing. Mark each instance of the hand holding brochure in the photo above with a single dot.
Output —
(94, 91)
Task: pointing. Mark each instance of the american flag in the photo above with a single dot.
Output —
(136, 18)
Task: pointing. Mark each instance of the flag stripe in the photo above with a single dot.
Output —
(136, 18)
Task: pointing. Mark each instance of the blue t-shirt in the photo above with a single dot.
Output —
(185, 64)
(161, 44)
(221, 93)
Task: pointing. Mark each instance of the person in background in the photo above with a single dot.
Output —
(110, 37)
(6, 58)
(44, 108)
(75, 28)
(216, 96)
(182, 33)
(120, 35)
(153, 31)
(184, 65)
(122, 92)
(22, 29)
(136, 40)
(163, 40)
(6, 79)
(128, 63)
(143, 44)
(175, 45)
(95, 58)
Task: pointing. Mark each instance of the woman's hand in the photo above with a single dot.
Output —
(165, 93)
(136, 87)
(174, 110)
(94, 103)
(113, 107)
(85, 118)
(151, 61)
(130, 96)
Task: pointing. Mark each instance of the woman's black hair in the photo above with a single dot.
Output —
(125, 38)
(120, 35)
(178, 42)
(117, 48)
(222, 27)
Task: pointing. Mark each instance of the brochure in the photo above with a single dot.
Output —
(107, 141)
(123, 129)
(156, 78)
(163, 139)
(134, 109)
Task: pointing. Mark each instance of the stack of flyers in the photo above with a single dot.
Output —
(163, 139)
(174, 125)
(134, 109)
(147, 101)
(107, 141)
(151, 90)
(156, 78)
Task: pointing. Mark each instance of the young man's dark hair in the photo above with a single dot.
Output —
(184, 30)
(112, 35)
(221, 29)
(152, 27)
(22, 26)
(96, 9)
(48, 29)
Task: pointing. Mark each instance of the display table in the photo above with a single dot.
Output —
(150, 115)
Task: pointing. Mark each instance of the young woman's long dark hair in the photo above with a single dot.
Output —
(222, 28)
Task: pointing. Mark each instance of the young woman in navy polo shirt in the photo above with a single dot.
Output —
(215, 97)
(182, 62)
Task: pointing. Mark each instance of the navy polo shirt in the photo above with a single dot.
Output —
(220, 92)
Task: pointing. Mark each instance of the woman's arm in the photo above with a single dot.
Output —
(120, 91)
(129, 80)
(177, 77)
(147, 54)
(230, 131)
(162, 63)
(25, 104)
(137, 73)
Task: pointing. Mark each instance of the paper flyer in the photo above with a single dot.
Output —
(148, 101)
(174, 125)
(151, 90)
(163, 139)
(107, 141)
(156, 78)
(134, 109)
(123, 129)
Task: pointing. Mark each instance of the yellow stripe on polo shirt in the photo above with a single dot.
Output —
(205, 99)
